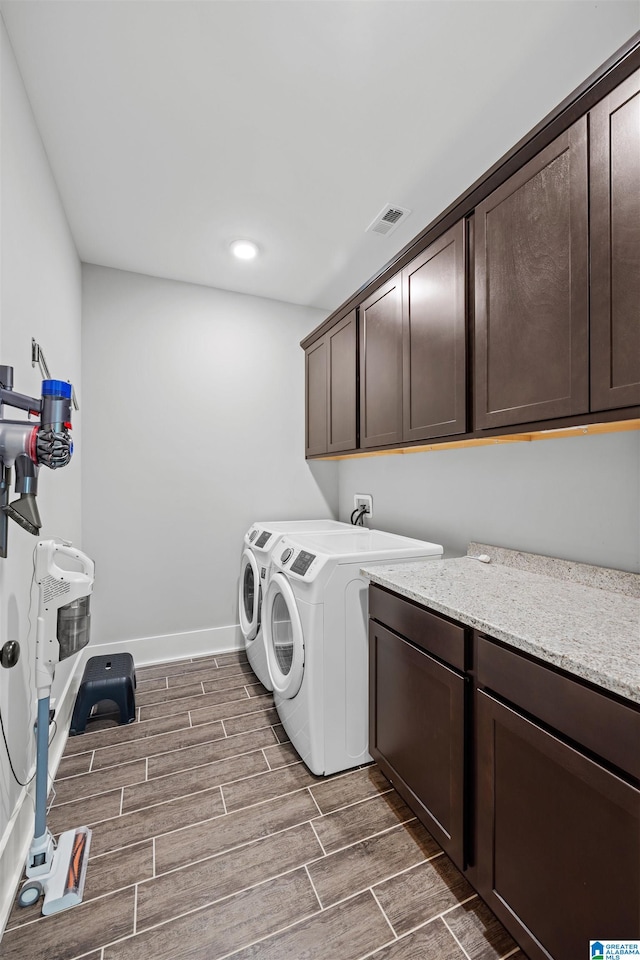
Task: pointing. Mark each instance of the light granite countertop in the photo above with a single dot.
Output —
(583, 619)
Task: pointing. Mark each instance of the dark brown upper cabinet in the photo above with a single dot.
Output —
(316, 404)
(342, 382)
(381, 366)
(331, 377)
(532, 289)
(413, 349)
(434, 339)
(615, 248)
(536, 272)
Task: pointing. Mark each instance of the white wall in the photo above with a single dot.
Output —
(195, 401)
(575, 498)
(41, 298)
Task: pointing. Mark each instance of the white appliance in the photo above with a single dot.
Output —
(259, 543)
(315, 623)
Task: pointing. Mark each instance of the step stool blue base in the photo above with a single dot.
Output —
(106, 678)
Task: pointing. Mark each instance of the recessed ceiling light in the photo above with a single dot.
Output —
(244, 249)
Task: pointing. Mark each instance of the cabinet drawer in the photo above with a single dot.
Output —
(599, 723)
(429, 631)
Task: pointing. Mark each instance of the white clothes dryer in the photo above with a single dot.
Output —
(259, 543)
(315, 624)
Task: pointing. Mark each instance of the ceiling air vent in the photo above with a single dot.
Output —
(388, 219)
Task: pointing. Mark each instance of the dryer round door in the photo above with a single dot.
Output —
(249, 598)
(283, 635)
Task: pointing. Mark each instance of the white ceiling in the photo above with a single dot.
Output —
(173, 127)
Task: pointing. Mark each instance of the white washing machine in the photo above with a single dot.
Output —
(259, 542)
(315, 624)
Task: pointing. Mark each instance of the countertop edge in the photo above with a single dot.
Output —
(606, 681)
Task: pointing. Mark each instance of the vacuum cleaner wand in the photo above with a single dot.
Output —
(28, 445)
(62, 630)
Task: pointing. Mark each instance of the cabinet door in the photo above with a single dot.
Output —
(381, 366)
(434, 339)
(531, 286)
(558, 838)
(416, 733)
(341, 425)
(615, 248)
(316, 372)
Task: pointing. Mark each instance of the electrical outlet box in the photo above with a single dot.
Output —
(363, 500)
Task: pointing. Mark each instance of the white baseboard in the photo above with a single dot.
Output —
(14, 845)
(172, 646)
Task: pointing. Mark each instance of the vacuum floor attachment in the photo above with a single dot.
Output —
(25, 513)
(63, 884)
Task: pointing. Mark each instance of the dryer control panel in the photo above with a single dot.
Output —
(297, 562)
(302, 562)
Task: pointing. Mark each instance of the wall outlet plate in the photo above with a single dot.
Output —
(363, 500)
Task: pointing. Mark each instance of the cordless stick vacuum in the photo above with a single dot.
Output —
(62, 630)
(27, 445)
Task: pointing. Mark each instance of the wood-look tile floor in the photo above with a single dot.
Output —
(211, 839)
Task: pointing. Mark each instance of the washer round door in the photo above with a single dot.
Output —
(283, 635)
(249, 599)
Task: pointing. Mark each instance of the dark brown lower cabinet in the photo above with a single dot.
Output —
(528, 777)
(558, 838)
(417, 733)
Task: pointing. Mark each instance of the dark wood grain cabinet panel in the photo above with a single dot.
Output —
(316, 403)
(434, 340)
(417, 733)
(558, 838)
(331, 390)
(342, 385)
(532, 290)
(434, 634)
(602, 725)
(615, 248)
(413, 349)
(381, 366)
